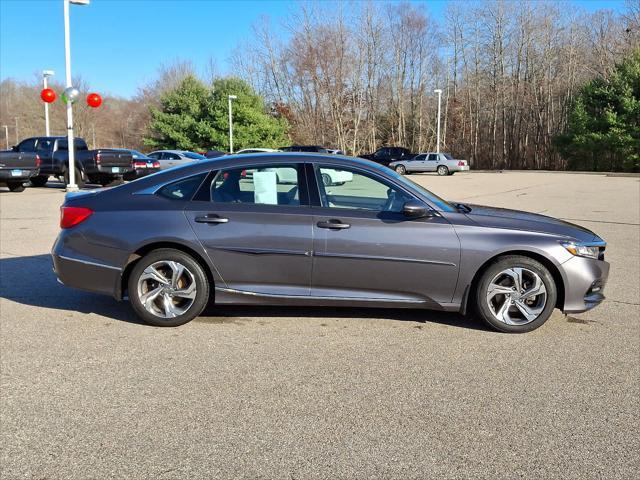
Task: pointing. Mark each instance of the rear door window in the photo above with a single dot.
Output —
(433, 157)
(260, 185)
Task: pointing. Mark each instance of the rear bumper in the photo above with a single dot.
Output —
(74, 269)
(110, 170)
(140, 172)
(17, 174)
(585, 280)
(459, 168)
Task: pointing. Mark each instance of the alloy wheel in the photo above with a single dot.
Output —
(516, 296)
(167, 289)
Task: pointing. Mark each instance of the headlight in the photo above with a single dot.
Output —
(584, 249)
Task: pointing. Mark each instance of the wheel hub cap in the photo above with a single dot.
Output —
(516, 296)
(167, 289)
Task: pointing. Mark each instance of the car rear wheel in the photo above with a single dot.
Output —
(16, 186)
(78, 177)
(168, 288)
(516, 294)
(443, 170)
(401, 169)
(40, 180)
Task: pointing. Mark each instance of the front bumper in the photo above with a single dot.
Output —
(585, 280)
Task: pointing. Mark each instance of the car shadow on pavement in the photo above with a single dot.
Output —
(30, 281)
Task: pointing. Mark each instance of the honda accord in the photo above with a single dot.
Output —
(230, 230)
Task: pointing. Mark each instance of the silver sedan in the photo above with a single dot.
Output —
(442, 163)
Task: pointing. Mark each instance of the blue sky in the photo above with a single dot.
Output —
(118, 45)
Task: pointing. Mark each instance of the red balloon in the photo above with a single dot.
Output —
(48, 95)
(94, 100)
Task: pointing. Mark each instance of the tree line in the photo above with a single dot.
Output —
(527, 84)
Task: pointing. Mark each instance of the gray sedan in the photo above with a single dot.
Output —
(442, 163)
(228, 230)
(173, 158)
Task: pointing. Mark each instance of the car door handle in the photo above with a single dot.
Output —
(211, 218)
(333, 224)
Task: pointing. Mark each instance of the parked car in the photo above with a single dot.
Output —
(167, 242)
(214, 153)
(442, 163)
(142, 164)
(102, 166)
(304, 148)
(256, 150)
(386, 155)
(173, 158)
(16, 168)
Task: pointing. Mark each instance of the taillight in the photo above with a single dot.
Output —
(139, 164)
(156, 164)
(461, 163)
(98, 158)
(38, 161)
(72, 216)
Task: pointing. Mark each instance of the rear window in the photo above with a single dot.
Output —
(194, 156)
(183, 189)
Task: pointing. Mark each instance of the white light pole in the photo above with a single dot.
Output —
(6, 134)
(45, 75)
(67, 57)
(231, 97)
(439, 92)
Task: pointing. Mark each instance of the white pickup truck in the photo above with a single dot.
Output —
(442, 163)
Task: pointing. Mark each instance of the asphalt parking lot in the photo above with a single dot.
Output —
(246, 392)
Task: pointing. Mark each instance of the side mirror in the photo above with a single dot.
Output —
(14, 148)
(415, 209)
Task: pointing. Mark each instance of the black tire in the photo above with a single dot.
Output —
(483, 308)
(401, 169)
(16, 187)
(79, 177)
(40, 180)
(110, 182)
(326, 180)
(443, 170)
(200, 279)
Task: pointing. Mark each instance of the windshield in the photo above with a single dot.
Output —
(194, 156)
(440, 203)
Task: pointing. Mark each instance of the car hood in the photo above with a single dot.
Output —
(515, 219)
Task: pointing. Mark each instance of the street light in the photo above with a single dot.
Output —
(231, 97)
(67, 57)
(439, 92)
(6, 134)
(45, 75)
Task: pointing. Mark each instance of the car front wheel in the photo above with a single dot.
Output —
(516, 294)
(401, 169)
(168, 288)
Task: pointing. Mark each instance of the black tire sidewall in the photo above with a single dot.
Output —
(16, 187)
(482, 308)
(79, 179)
(202, 286)
(40, 180)
(326, 179)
